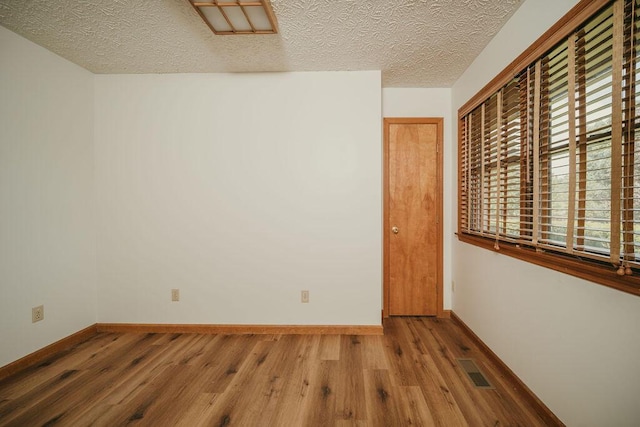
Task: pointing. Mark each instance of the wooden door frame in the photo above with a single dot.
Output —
(439, 121)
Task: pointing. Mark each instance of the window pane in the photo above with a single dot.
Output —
(554, 149)
(595, 84)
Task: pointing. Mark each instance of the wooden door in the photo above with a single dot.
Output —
(413, 212)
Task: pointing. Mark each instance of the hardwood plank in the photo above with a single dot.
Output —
(225, 360)
(381, 399)
(110, 354)
(409, 376)
(260, 406)
(495, 406)
(510, 382)
(253, 394)
(413, 407)
(460, 387)
(351, 423)
(373, 354)
(17, 412)
(157, 404)
(55, 348)
(196, 410)
(350, 386)
(108, 384)
(330, 347)
(56, 391)
(445, 409)
(50, 367)
(148, 366)
(297, 387)
(321, 407)
(398, 354)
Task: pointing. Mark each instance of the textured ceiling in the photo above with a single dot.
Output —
(416, 43)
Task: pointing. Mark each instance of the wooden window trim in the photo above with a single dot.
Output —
(601, 274)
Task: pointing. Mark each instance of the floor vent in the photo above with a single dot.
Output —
(474, 373)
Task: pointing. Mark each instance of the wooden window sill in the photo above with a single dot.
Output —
(594, 272)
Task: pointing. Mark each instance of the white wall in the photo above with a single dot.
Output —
(240, 190)
(574, 343)
(430, 102)
(47, 252)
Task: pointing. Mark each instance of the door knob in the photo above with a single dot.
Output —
(395, 230)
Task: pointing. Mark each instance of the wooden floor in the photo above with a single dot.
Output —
(409, 376)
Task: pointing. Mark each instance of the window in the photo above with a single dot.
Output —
(549, 166)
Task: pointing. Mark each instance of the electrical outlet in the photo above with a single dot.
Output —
(304, 296)
(37, 314)
(175, 294)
